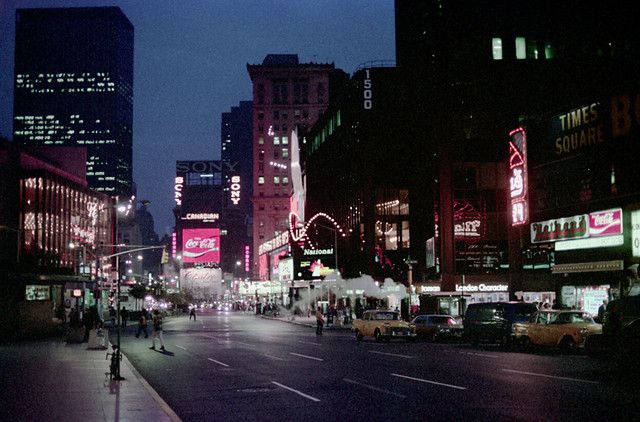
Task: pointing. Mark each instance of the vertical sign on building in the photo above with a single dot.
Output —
(518, 189)
(367, 93)
(635, 233)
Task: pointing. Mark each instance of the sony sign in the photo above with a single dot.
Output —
(235, 189)
(204, 166)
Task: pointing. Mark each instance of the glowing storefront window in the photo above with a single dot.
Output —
(261, 180)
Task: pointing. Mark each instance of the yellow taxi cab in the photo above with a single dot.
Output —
(567, 330)
(383, 325)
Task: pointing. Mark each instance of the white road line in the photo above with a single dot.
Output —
(479, 354)
(181, 347)
(218, 362)
(371, 387)
(305, 356)
(244, 344)
(273, 357)
(306, 396)
(391, 354)
(549, 376)
(309, 342)
(457, 387)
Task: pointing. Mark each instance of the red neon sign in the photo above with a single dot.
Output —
(201, 245)
(518, 183)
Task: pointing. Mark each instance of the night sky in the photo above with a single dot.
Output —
(190, 66)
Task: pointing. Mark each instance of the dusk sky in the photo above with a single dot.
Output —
(190, 66)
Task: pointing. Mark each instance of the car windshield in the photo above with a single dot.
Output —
(386, 316)
(574, 317)
(441, 320)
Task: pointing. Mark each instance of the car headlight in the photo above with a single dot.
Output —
(584, 331)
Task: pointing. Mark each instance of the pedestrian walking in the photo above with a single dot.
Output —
(157, 330)
(601, 311)
(142, 324)
(192, 313)
(319, 321)
(124, 316)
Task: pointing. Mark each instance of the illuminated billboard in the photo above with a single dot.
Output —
(518, 177)
(201, 245)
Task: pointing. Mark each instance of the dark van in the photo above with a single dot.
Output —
(491, 322)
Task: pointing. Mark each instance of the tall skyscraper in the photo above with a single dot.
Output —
(236, 136)
(286, 94)
(74, 87)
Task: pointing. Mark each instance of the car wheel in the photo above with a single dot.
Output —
(378, 335)
(359, 335)
(567, 345)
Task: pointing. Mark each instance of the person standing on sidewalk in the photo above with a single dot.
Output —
(124, 317)
(319, 321)
(142, 324)
(192, 313)
(157, 330)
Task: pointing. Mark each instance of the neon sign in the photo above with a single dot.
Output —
(235, 189)
(518, 177)
(177, 189)
(247, 258)
(201, 245)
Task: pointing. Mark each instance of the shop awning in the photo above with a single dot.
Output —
(588, 267)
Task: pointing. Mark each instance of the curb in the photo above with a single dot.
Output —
(163, 404)
(304, 324)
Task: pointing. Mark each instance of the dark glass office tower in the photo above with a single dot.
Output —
(74, 87)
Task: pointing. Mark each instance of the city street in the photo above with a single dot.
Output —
(235, 366)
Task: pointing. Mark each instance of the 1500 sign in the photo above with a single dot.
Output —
(367, 93)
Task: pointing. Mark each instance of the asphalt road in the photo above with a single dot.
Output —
(231, 366)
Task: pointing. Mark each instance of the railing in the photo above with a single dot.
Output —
(375, 63)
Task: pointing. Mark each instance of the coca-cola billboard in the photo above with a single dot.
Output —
(201, 245)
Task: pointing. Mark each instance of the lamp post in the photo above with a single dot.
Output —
(117, 255)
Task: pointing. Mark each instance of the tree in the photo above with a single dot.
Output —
(138, 291)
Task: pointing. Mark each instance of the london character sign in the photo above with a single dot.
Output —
(201, 245)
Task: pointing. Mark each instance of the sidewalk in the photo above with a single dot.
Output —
(307, 322)
(55, 381)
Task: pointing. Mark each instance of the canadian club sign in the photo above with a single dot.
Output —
(518, 185)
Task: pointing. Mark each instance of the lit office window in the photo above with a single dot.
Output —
(261, 180)
(285, 180)
(285, 152)
(496, 44)
(521, 48)
(285, 140)
(276, 180)
(261, 141)
(549, 51)
(276, 140)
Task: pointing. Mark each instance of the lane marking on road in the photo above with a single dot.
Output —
(309, 342)
(457, 387)
(273, 357)
(240, 342)
(306, 396)
(218, 362)
(305, 356)
(180, 347)
(480, 354)
(391, 354)
(371, 387)
(549, 376)
(210, 336)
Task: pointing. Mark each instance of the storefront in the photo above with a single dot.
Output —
(484, 292)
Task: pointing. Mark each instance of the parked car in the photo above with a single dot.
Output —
(383, 325)
(437, 327)
(491, 321)
(564, 329)
(620, 338)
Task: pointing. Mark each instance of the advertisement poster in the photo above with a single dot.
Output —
(201, 245)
